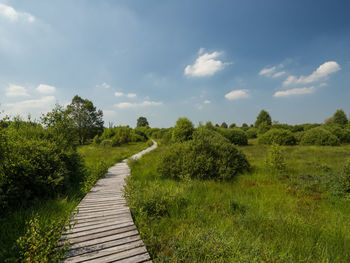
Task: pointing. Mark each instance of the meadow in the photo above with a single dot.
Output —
(300, 214)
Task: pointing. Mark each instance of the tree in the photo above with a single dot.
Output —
(339, 117)
(245, 127)
(183, 130)
(142, 122)
(224, 125)
(263, 117)
(233, 125)
(87, 120)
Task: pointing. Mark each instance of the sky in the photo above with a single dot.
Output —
(218, 61)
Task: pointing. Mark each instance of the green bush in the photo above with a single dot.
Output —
(276, 160)
(278, 136)
(106, 143)
(343, 134)
(183, 130)
(319, 136)
(122, 135)
(40, 242)
(208, 156)
(235, 136)
(252, 133)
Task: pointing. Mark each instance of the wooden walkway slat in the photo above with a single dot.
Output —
(103, 229)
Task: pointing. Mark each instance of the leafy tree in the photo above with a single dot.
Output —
(87, 120)
(339, 117)
(263, 117)
(224, 125)
(245, 127)
(60, 125)
(183, 130)
(233, 125)
(142, 122)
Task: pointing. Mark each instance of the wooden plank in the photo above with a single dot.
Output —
(103, 229)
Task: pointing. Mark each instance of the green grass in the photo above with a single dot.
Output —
(297, 216)
(13, 224)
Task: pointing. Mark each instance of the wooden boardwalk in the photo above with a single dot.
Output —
(104, 230)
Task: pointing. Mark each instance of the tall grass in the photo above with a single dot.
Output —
(299, 215)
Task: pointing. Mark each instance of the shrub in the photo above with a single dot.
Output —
(342, 134)
(40, 242)
(235, 136)
(106, 143)
(183, 130)
(345, 177)
(208, 156)
(276, 159)
(278, 136)
(319, 136)
(252, 133)
(263, 127)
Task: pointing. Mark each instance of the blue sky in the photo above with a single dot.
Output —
(206, 60)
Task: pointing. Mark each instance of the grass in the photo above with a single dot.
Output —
(296, 216)
(13, 225)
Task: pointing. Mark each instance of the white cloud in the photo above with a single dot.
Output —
(16, 91)
(104, 85)
(322, 72)
(296, 91)
(272, 72)
(267, 71)
(125, 105)
(278, 74)
(205, 65)
(237, 94)
(207, 102)
(118, 94)
(46, 89)
(27, 105)
(131, 95)
(9, 13)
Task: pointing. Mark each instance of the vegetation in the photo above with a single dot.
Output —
(277, 136)
(299, 212)
(183, 130)
(263, 118)
(319, 136)
(142, 122)
(87, 120)
(43, 175)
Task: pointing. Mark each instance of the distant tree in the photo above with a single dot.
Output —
(217, 125)
(224, 125)
(183, 130)
(87, 120)
(142, 122)
(339, 117)
(61, 126)
(263, 117)
(233, 125)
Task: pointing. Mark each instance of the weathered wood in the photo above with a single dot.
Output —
(103, 229)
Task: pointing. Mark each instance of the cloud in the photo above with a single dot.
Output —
(125, 105)
(205, 65)
(26, 106)
(9, 13)
(16, 91)
(46, 89)
(131, 95)
(207, 102)
(104, 85)
(118, 94)
(267, 71)
(278, 74)
(272, 72)
(322, 72)
(237, 94)
(293, 92)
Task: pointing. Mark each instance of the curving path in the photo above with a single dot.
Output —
(104, 230)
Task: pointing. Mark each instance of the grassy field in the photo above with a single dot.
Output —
(51, 212)
(299, 215)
